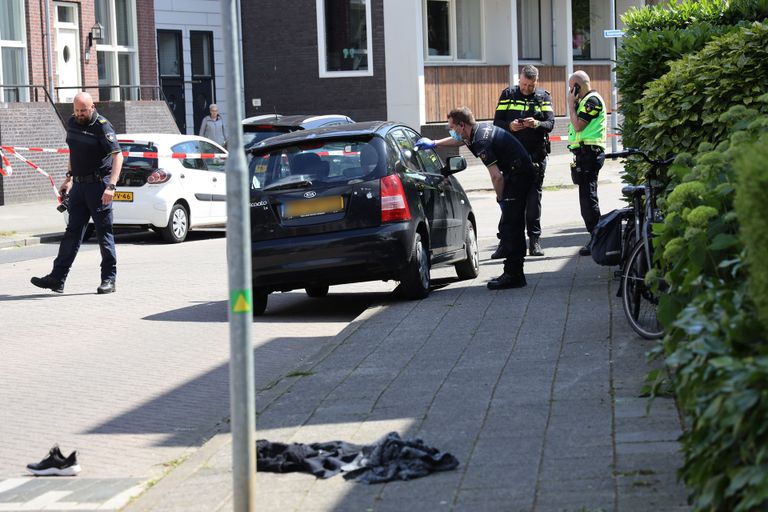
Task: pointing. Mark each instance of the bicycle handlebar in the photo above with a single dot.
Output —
(635, 151)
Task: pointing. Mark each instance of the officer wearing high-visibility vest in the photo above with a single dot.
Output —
(527, 113)
(586, 140)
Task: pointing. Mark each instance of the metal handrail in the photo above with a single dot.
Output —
(34, 88)
(157, 91)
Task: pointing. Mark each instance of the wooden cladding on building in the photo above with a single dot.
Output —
(476, 87)
(479, 87)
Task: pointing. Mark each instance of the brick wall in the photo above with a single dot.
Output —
(37, 125)
(31, 125)
(281, 65)
(147, 43)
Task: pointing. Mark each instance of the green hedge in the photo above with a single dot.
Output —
(717, 346)
(752, 210)
(657, 36)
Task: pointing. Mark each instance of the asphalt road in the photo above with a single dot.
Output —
(136, 380)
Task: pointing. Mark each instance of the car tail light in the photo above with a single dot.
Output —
(159, 176)
(394, 205)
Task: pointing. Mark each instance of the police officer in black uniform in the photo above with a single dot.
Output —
(512, 173)
(95, 161)
(527, 113)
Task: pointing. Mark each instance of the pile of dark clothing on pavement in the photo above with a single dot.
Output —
(391, 458)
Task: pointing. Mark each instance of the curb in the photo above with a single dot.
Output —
(29, 240)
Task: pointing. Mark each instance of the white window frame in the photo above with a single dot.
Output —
(453, 36)
(321, 51)
(24, 93)
(112, 49)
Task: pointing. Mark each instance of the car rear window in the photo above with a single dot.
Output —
(252, 135)
(321, 162)
(139, 162)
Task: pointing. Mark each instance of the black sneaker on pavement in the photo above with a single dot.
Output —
(49, 283)
(55, 464)
(106, 286)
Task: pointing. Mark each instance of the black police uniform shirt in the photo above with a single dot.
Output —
(513, 104)
(494, 145)
(91, 146)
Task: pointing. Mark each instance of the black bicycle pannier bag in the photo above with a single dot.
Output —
(606, 239)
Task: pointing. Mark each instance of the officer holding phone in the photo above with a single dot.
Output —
(526, 111)
(586, 140)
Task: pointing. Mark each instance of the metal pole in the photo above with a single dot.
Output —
(48, 49)
(614, 95)
(241, 381)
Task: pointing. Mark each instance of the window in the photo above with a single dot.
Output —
(590, 18)
(117, 59)
(344, 38)
(453, 30)
(529, 29)
(13, 69)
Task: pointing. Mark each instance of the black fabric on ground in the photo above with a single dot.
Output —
(391, 458)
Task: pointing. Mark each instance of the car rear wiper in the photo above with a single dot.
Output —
(284, 185)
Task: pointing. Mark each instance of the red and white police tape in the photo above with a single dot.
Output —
(5, 168)
(137, 154)
(12, 151)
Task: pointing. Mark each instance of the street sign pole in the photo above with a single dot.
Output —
(241, 381)
(614, 95)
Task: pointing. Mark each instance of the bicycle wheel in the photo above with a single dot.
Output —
(640, 302)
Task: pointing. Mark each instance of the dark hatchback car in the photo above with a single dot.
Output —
(258, 128)
(355, 203)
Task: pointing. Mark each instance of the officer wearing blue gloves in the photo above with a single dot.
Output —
(511, 172)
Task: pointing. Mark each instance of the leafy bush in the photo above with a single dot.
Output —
(717, 347)
(752, 210)
(657, 36)
(687, 105)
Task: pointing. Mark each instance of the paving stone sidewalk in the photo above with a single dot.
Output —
(536, 391)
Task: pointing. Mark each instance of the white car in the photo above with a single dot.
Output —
(171, 195)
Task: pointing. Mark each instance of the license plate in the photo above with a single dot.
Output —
(310, 207)
(123, 196)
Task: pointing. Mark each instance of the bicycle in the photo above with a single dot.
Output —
(640, 298)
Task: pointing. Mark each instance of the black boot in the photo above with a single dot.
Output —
(507, 281)
(587, 249)
(49, 282)
(106, 286)
(534, 248)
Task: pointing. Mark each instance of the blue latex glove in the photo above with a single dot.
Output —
(425, 143)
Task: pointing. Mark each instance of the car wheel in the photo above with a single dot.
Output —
(178, 225)
(260, 298)
(470, 267)
(415, 280)
(317, 290)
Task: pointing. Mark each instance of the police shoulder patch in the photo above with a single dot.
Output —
(110, 137)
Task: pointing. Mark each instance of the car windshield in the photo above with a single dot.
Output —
(137, 161)
(317, 162)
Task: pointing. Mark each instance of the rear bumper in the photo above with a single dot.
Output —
(151, 206)
(368, 254)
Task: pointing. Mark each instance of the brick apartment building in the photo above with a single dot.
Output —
(51, 49)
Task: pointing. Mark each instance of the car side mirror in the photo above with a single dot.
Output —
(455, 164)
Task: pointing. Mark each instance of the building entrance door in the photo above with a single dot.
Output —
(67, 51)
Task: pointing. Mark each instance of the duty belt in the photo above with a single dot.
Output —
(88, 178)
(584, 148)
